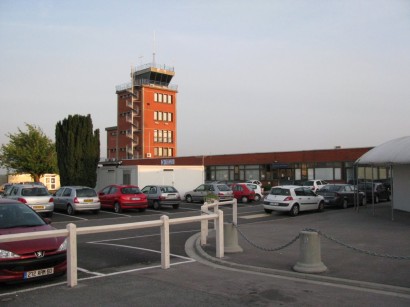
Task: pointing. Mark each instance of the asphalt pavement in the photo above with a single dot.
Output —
(366, 253)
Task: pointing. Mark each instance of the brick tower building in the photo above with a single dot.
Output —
(146, 115)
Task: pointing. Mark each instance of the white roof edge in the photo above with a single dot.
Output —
(393, 152)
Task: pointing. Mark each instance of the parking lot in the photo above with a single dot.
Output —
(125, 267)
(114, 252)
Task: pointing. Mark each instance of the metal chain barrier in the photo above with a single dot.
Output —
(267, 249)
(358, 249)
(325, 236)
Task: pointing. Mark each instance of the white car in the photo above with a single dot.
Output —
(258, 190)
(255, 182)
(315, 184)
(292, 199)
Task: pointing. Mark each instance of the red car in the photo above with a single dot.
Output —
(31, 259)
(242, 192)
(120, 197)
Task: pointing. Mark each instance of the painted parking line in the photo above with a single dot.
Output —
(254, 216)
(73, 216)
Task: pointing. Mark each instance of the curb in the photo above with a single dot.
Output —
(194, 250)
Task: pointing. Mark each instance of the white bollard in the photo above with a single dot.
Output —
(231, 239)
(310, 256)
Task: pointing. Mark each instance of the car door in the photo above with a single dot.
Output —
(310, 199)
(104, 196)
(348, 192)
(301, 198)
(66, 198)
(57, 199)
(200, 192)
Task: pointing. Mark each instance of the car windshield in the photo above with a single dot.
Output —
(168, 190)
(85, 192)
(223, 187)
(34, 192)
(280, 191)
(131, 190)
(18, 215)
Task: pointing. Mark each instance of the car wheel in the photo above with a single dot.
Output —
(117, 208)
(321, 206)
(141, 209)
(244, 199)
(294, 211)
(175, 206)
(344, 204)
(96, 211)
(156, 205)
(70, 210)
(257, 197)
(268, 211)
(188, 198)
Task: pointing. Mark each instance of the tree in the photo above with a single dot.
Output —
(30, 152)
(78, 151)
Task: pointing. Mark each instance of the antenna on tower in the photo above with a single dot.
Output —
(153, 53)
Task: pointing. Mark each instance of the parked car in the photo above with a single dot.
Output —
(258, 190)
(341, 195)
(255, 182)
(220, 190)
(122, 197)
(292, 199)
(162, 195)
(29, 259)
(76, 198)
(242, 192)
(379, 191)
(315, 184)
(35, 196)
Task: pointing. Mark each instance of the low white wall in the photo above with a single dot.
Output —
(401, 187)
(183, 178)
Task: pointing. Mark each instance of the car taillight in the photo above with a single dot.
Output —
(289, 198)
(76, 200)
(51, 200)
(22, 200)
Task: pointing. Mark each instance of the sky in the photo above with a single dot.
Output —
(252, 76)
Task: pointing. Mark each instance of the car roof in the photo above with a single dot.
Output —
(75, 187)
(287, 186)
(26, 185)
(8, 201)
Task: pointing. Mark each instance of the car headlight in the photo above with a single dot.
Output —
(7, 255)
(63, 246)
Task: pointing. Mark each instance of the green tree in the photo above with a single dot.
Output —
(78, 150)
(30, 152)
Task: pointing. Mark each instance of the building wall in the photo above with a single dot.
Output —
(401, 184)
(159, 105)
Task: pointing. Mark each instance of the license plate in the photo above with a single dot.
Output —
(135, 198)
(38, 273)
(38, 207)
(274, 204)
(171, 196)
(88, 200)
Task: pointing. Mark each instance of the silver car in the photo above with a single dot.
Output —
(35, 196)
(162, 195)
(76, 198)
(219, 190)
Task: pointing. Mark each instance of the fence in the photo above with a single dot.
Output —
(71, 232)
